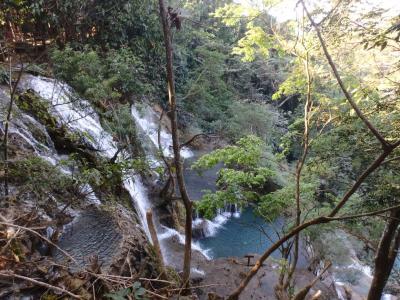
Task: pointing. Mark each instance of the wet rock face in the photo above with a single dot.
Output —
(93, 233)
(25, 136)
(113, 238)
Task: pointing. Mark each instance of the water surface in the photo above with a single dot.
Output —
(240, 236)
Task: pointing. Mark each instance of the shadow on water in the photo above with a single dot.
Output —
(197, 183)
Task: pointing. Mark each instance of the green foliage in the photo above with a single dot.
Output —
(231, 14)
(295, 83)
(98, 78)
(31, 103)
(255, 41)
(211, 80)
(273, 204)
(37, 179)
(251, 118)
(241, 181)
(207, 95)
(84, 71)
(119, 122)
(127, 71)
(246, 153)
(37, 69)
(4, 75)
(211, 202)
(136, 290)
(104, 175)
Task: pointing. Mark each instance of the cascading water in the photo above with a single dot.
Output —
(22, 126)
(80, 117)
(148, 122)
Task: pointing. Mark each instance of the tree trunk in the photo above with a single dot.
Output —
(13, 89)
(318, 220)
(156, 243)
(175, 144)
(385, 256)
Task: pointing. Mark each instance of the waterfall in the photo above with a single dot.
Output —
(21, 126)
(80, 117)
(147, 121)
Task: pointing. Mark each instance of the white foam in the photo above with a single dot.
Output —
(149, 126)
(366, 270)
(84, 119)
(197, 271)
(170, 233)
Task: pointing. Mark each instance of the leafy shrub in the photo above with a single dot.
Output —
(99, 78)
(127, 70)
(242, 180)
(39, 179)
(136, 290)
(250, 118)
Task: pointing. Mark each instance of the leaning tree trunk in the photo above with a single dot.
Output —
(385, 255)
(175, 144)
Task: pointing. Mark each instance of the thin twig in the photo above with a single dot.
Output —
(42, 237)
(339, 80)
(34, 281)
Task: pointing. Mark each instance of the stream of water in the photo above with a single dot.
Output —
(80, 117)
(231, 233)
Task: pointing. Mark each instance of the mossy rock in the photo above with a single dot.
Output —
(64, 140)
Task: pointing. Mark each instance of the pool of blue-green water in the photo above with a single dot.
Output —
(247, 234)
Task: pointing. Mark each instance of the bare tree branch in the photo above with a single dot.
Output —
(40, 283)
(348, 96)
(193, 138)
(301, 295)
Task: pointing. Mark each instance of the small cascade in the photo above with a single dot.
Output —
(80, 117)
(208, 228)
(169, 233)
(138, 192)
(21, 126)
(30, 131)
(76, 113)
(148, 121)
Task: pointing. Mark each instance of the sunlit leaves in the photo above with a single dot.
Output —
(254, 41)
(247, 152)
(241, 181)
(233, 14)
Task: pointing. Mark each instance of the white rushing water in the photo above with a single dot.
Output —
(80, 117)
(349, 271)
(148, 122)
(170, 233)
(76, 113)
